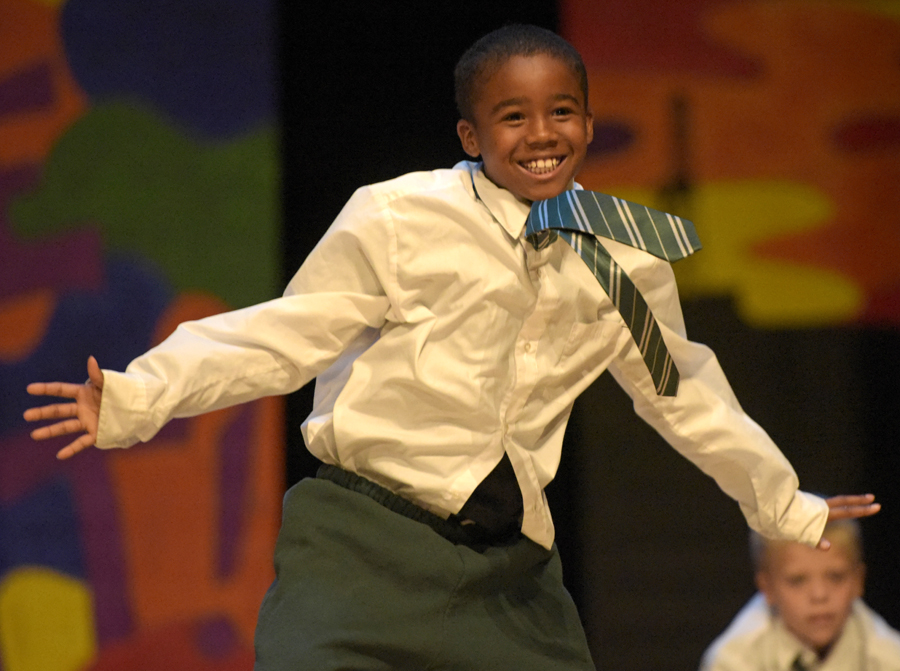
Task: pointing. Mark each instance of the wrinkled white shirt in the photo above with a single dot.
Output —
(440, 339)
(757, 640)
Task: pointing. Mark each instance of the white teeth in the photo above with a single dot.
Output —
(541, 165)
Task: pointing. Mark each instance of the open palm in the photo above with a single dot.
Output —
(81, 416)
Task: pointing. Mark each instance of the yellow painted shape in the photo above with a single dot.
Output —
(46, 621)
(732, 217)
(887, 7)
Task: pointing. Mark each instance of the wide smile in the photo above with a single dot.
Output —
(541, 167)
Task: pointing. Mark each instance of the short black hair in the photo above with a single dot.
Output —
(483, 58)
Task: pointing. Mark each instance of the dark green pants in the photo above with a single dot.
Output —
(361, 587)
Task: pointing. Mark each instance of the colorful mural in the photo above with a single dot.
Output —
(139, 181)
(774, 125)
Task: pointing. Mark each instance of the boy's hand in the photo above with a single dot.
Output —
(84, 412)
(845, 507)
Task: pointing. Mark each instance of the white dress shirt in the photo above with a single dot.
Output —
(440, 339)
(757, 640)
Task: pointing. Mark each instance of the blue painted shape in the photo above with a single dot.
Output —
(234, 486)
(611, 137)
(41, 529)
(115, 323)
(216, 637)
(209, 64)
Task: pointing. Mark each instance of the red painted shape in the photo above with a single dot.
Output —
(883, 307)
(65, 261)
(28, 90)
(872, 133)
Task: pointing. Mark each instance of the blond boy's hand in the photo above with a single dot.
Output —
(846, 507)
(82, 416)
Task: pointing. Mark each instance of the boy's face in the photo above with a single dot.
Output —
(531, 127)
(812, 590)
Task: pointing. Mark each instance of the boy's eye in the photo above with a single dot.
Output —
(562, 111)
(837, 577)
(795, 580)
(514, 116)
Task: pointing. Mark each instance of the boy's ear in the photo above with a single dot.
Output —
(466, 131)
(762, 584)
(860, 578)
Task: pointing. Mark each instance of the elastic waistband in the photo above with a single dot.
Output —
(471, 535)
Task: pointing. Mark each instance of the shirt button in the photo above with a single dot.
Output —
(528, 347)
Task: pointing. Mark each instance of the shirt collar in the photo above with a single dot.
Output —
(847, 652)
(505, 208)
(788, 648)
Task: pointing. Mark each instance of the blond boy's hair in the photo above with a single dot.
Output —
(842, 533)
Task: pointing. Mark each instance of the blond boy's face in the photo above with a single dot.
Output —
(531, 127)
(813, 591)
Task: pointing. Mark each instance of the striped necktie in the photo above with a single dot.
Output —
(579, 218)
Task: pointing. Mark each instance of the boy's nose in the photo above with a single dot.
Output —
(540, 131)
(818, 591)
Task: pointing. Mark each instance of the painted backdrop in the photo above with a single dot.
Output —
(139, 181)
(775, 126)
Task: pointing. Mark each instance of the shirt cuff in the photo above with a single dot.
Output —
(123, 412)
(805, 519)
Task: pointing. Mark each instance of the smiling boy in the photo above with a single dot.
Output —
(448, 350)
(531, 126)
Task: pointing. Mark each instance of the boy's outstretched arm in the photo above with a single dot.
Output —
(81, 416)
(849, 506)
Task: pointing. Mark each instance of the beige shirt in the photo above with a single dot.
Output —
(757, 640)
(441, 339)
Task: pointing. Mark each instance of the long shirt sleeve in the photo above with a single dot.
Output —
(268, 349)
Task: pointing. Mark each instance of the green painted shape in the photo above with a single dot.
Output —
(207, 214)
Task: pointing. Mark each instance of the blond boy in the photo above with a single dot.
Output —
(808, 614)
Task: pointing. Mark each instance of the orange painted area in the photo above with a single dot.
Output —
(168, 492)
(863, 240)
(30, 36)
(23, 322)
(823, 68)
(651, 35)
(777, 125)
